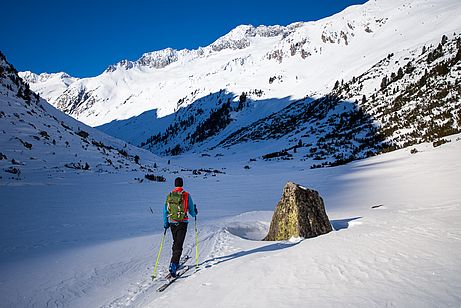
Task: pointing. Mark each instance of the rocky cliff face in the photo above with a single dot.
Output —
(299, 213)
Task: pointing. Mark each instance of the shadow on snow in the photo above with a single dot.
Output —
(340, 224)
(267, 248)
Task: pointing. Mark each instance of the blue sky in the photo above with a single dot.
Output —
(83, 37)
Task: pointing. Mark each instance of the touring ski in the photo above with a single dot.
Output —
(173, 279)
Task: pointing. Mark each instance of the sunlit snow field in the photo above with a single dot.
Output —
(91, 240)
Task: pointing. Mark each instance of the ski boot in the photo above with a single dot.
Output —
(173, 269)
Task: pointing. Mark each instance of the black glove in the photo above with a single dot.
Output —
(166, 226)
(195, 207)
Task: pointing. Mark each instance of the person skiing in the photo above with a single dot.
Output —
(178, 203)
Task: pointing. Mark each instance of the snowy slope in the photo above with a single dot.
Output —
(404, 253)
(301, 59)
(407, 97)
(38, 140)
(414, 97)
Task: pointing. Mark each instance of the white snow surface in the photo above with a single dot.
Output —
(91, 241)
(74, 238)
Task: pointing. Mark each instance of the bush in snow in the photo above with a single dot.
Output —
(83, 134)
(13, 170)
(439, 142)
(280, 154)
(26, 144)
(176, 150)
(79, 166)
(123, 153)
(201, 170)
(44, 134)
(155, 178)
(65, 126)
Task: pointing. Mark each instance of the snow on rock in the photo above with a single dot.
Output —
(239, 38)
(299, 213)
(157, 59)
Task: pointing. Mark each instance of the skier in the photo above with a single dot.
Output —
(178, 203)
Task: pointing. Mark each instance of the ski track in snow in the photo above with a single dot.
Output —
(145, 287)
(404, 252)
(215, 245)
(368, 258)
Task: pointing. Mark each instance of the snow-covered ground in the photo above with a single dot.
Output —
(91, 241)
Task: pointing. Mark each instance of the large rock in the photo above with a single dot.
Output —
(299, 213)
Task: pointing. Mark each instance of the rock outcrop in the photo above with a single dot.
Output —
(299, 213)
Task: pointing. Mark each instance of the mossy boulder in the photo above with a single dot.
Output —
(299, 213)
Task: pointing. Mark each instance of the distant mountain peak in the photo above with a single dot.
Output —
(237, 38)
(31, 77)
(155, 59)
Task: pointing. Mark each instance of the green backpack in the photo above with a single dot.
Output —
(175, 206)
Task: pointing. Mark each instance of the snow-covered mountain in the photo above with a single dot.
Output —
(38, 140)
(345, 87)
(407, 97)
(48, 85)
(304, 58)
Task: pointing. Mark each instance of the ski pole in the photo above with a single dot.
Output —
(158, 255)
(196, 244)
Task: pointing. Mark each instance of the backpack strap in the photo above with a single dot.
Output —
(185, 196)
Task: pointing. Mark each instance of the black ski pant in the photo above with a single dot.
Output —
(178, 231)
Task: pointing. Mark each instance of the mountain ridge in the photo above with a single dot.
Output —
(341, 46)
(359, 118)
(146, 102)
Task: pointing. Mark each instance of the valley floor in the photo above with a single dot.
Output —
(397, 238)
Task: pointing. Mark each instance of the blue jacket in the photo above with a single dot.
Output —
(191, 209)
